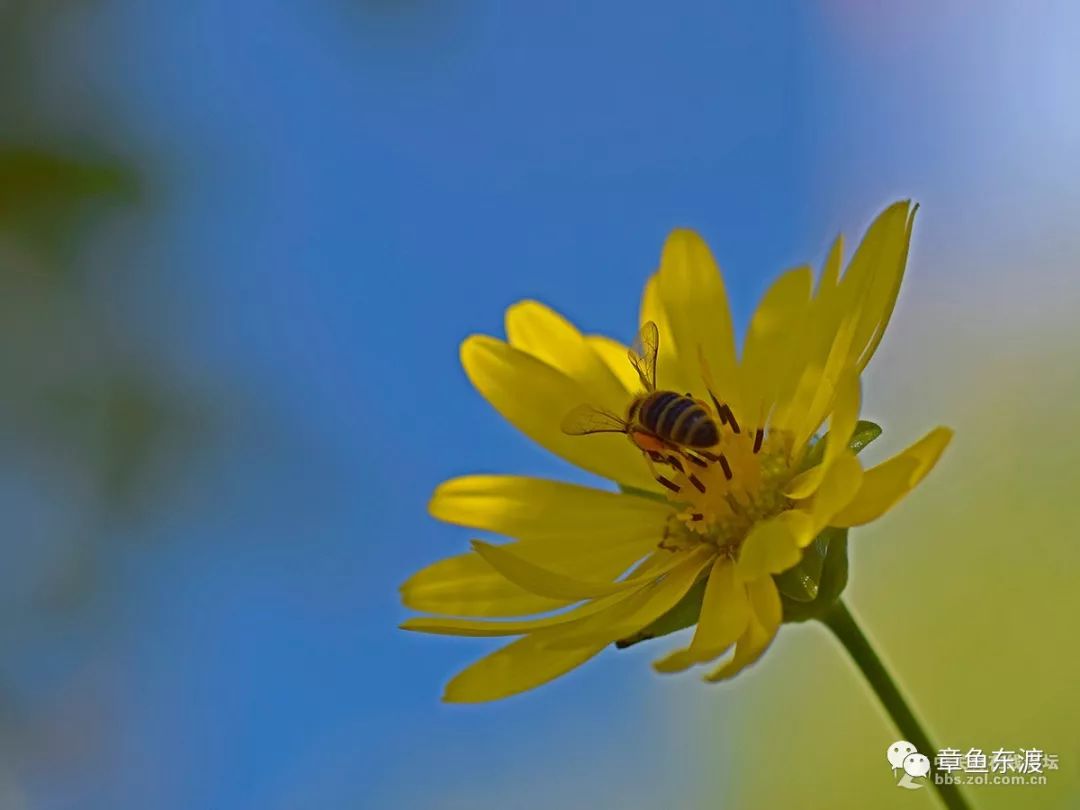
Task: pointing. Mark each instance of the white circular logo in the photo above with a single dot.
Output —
(916, 765)
(898, 752)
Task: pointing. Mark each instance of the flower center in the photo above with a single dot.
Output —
(721, 493)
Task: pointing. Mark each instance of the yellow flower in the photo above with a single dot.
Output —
(601, 566)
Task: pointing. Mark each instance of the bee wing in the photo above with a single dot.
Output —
(642, 354)
(585, 419)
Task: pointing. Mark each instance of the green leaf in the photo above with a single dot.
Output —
(47, 198)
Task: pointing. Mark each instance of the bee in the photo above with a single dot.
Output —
(662, 424)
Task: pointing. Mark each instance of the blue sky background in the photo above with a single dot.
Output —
(338, 194)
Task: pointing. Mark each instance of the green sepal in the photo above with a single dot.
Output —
(810, 588)
(864, 433)
(828, 552)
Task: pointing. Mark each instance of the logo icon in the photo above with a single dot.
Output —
(914, 767)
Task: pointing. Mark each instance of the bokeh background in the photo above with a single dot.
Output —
(239, 245)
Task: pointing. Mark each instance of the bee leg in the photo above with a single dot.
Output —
(673, 461)
(652, 458)
(691, 477)
(697, 459)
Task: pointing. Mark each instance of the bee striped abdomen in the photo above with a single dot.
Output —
(678, 419)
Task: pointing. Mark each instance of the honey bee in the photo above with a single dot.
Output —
(660, 423)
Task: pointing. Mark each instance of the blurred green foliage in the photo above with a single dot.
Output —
(47, 199)
(81, 397)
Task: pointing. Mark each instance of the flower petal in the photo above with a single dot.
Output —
(768, 357)
(534, 397)
(555, 585)
(884, 485)
(572, 530)
(881, 293)
(519, 506)
(842, 423)
(692, 292)
(839, 487)
(521, 665)
(725, 612)
(830, 271)
(643, 606)
(669, 374)
(615, 356)
(552, 651)
(482, 628)
(546, 335)
(769, 549)
(467, 585)
(869, 286)
(760, 631)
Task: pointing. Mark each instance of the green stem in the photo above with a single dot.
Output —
(847, 631)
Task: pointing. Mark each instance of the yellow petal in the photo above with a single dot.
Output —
(769, 549)
(481, 628)
(837, 366)
(467, 585)
(552, 651)
(519, 506)
(884, 485)
(555, 585)
(522, 665)
(869, 286)
(692, 293)
(614, 355)
(669, 374)
(535, 397)
(549, 337)
(882, 292)
(842, 423)
(643, 606)
(830, 271)
(839, 487)
(768, 356)
(800, 525)
(725, 613)
(760, 631)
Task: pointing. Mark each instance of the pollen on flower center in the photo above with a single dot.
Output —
(722, 493)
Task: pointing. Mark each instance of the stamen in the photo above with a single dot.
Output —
(674, 462)
(725, 467)
(723, 410)
(697, 516)
(727, 417)
(758, 436)
(696, 482)
(664, 482)
(700, 462)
